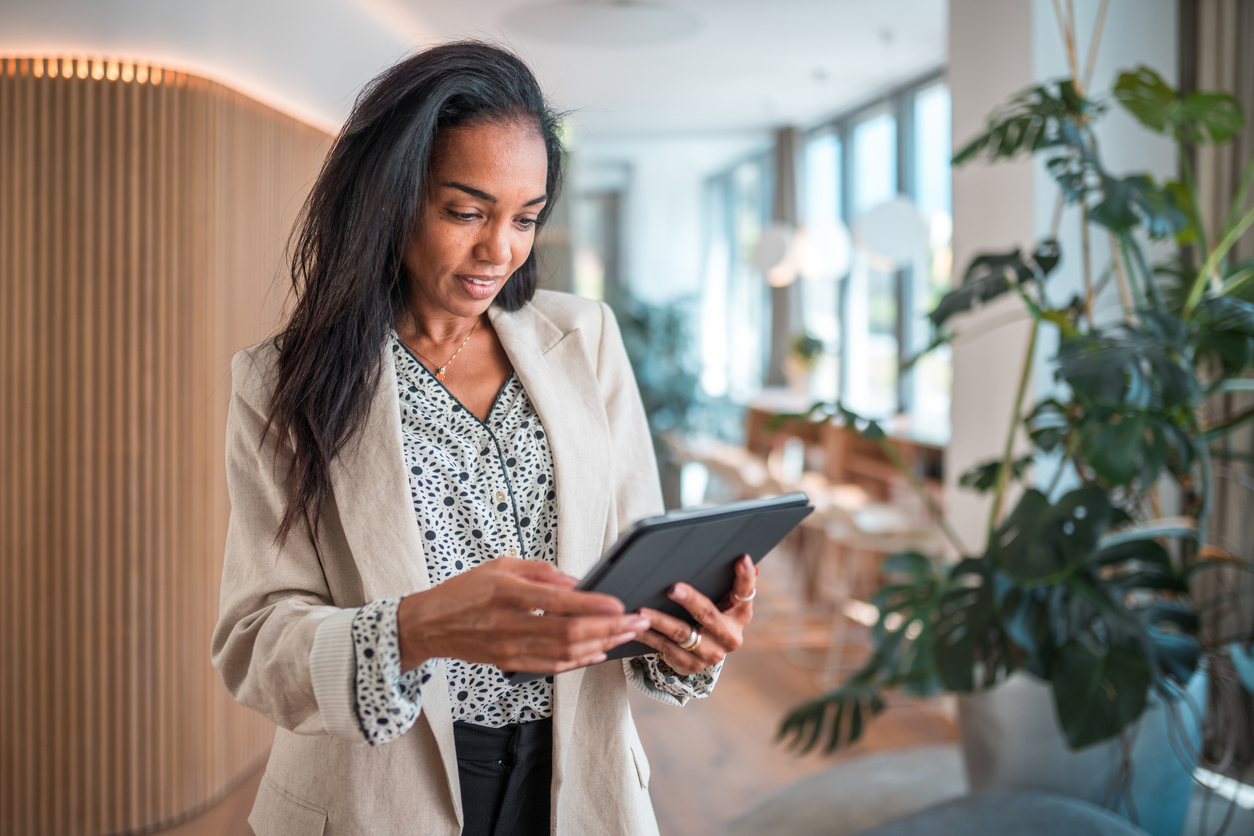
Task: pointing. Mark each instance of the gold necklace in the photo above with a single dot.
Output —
(439, 372)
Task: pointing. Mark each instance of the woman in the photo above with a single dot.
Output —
(420, 465)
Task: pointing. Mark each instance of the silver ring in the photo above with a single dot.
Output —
(743, 600)
(694, 639)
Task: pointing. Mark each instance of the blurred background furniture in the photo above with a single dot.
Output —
(865, 510)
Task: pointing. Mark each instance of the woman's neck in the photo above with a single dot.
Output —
(437, 331)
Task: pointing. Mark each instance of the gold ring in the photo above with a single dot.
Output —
(744, 600)
(694, 640)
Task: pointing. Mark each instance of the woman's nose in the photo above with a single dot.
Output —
(494, 246)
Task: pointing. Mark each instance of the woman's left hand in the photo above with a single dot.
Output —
(720, 628)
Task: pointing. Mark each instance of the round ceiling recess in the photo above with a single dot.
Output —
(602, 22)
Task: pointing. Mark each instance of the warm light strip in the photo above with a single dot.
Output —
(99, 69)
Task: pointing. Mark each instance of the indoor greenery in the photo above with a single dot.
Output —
(658, 340)
(1085, 581)
(807, 349)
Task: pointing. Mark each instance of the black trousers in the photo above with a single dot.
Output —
(506, 775)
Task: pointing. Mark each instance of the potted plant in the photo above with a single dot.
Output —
(1085, 583)
(804, 353)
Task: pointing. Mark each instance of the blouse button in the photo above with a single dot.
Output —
(500, 496)
(512, 552)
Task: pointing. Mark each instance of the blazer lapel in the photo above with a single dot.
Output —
(377, 514)
(560, 379)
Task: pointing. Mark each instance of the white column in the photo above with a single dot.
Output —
(990, 58)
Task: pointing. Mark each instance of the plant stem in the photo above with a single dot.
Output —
(1211, 267)
(1073, 440)
(1203, 514)
(1003, 473)
(1067, 26)
(1088, 265)
(1057, 221)
(1094, 41)
(1186, 174)
(1127, 296)
(1238, 199)
(1130, 245)
(933, 510)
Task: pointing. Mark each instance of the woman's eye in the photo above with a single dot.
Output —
(527, 223)
(464, 216)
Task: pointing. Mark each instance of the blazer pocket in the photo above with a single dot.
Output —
(642, 764)
(279, 813)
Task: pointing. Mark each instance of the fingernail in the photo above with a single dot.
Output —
(640, 624)
(624, 637)
(600, 657)
(679, 593)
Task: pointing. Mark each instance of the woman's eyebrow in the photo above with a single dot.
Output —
(482, 195)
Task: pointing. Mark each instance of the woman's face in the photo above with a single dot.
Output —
(478, 222)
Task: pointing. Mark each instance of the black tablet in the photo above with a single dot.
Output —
(698, 546)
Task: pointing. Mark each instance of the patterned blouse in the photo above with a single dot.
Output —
(480, 489)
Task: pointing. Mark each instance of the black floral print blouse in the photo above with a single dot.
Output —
(480, 489)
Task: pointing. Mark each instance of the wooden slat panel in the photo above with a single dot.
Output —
(143, 214)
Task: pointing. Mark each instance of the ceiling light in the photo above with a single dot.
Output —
(602, 22)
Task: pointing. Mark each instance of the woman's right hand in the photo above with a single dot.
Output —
(487, 615)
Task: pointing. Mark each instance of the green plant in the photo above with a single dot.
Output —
(1088, 590)
(807, 349)
(658, 343)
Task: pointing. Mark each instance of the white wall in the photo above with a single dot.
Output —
(662, 218)
(996, 48)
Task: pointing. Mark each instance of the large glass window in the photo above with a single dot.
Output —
(931, 379)
(820, 285)
(735, 301)
(871, 297)
(872, 320)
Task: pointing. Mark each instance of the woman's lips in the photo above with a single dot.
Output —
(480, 287)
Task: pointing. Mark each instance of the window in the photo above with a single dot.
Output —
(872, 320)
(900, 145)
(931, 378)
(820, 302)
(871, 299)
(735, 302)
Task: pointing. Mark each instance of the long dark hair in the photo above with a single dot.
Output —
(354, 229)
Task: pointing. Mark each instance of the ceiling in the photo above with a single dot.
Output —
(752, 64)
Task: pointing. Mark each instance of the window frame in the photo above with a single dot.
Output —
(899, 101)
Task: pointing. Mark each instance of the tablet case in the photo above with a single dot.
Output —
(698, 546)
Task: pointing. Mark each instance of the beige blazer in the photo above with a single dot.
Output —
(569, 355)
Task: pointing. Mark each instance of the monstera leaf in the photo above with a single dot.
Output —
(983, 477)
(1124, 446)
(1225, 329)
(1030, 122)
(1098, 691)
(1047, 424)
(1043, 543)
(1197, 117)
(1131, 368)
(989, 276)
(1141, 582)
(1135, 200)
(969, 636)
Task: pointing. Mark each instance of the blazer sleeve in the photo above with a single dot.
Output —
(273, 599)
(637, 489)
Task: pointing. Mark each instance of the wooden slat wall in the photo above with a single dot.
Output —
(143, 214)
